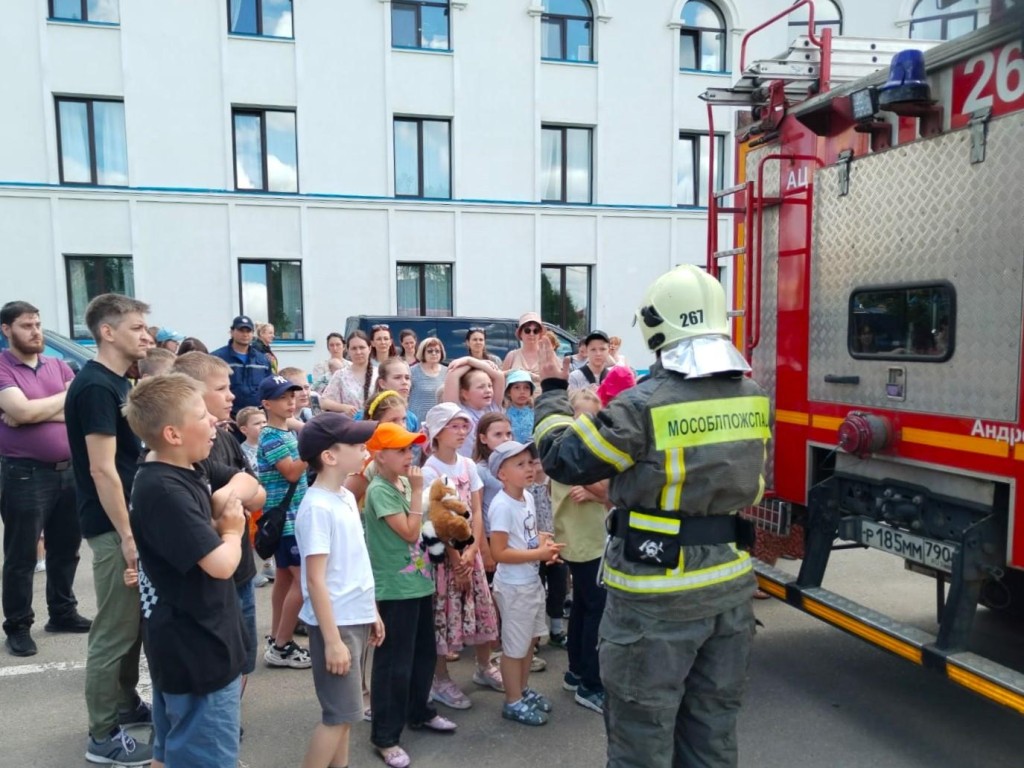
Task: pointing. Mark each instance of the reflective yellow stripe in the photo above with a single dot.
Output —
(674, 581)
(792, 417)
(549, 423)
(600, 447)
(825, 422)
(726, 420)
(982, 445)
(675, 477)
(643, 522)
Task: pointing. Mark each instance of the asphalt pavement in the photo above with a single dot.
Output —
(817, 697)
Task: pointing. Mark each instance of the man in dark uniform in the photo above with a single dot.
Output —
(685, 451)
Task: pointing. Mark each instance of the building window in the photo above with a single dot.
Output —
(903, 322)
(425, 289)
(826, 14)
(266, 156)
(104, 11)
(271, 291)
(565, 297)
(423, 166)
(90, 276)
(91, 142)
(943, 20)
(420, 24)
(566, 167)
(567, 30)
(265, 18)
(702, 37)
(692, 173)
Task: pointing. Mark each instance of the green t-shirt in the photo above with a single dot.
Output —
(580, 526)
(401, 571)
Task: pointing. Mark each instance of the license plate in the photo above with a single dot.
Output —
(933, 554)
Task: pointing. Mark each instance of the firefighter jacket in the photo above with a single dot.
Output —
(673, 447)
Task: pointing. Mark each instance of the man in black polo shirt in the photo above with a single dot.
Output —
(37, 490)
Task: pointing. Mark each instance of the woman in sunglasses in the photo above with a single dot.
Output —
(476, 343)
(527, 357)
(381, 346)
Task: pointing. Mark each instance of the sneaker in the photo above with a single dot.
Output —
(521, 712)
(536, 700)
(269, 572)
(118, 749)
(537, 664)
(489, 678)
(291, 655)
(40, 566)
(259, 580)
(448, 693)
(268, 642)
(20, 643)
(73, 623)
(593, 700)
(142, 714)
(570, 682)
(558, 639)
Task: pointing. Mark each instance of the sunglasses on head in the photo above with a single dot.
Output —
(477, 329)
(532, 329)
(381, 327)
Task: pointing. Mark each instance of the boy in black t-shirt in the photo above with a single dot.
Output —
(191, 622)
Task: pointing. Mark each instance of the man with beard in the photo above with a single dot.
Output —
(37, 489)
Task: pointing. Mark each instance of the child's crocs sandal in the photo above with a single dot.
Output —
(394, 757)
(521, 712)
(536, 700)
(436, 723)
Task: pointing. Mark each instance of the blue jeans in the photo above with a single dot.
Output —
(36, 498)
(192, 731)
(247, 602)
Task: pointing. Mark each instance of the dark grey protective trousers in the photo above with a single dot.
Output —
(673, 687)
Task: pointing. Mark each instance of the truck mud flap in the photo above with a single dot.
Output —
(993, 681)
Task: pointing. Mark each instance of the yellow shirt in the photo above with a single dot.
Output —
(580, 526)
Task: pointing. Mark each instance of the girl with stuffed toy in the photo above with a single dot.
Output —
(463, 609)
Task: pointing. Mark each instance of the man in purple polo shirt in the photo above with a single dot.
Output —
(37, 487)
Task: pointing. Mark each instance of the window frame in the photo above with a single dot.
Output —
(91, 119)
(836, 25)
(261, 112)
(564, 129)
(418, 5)
(421, 268)
(420, 155)
(698, 33)
(700, 183)
(85, 15)
(892, 356)
(259, 22)
(561, 292)
(942, 18)
(72, 257)
(562, 19)
(243, 310)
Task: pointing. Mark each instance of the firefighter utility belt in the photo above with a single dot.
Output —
(655, 537)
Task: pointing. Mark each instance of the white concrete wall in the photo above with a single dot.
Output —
(180, 73)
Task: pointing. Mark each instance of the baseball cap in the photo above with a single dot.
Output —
(166, 334)
(274, 387)
(506, 451)
(327, 429)
(439, 416)
(243, 321)
(595, 334)
(517, 377)
(391, 435)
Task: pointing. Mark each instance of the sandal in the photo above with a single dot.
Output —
(436, 723)
(521, 712)
(394, 757)
(532, 698)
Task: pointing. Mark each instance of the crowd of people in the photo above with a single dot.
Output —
(183, 468)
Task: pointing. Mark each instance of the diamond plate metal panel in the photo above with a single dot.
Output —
(915, 213)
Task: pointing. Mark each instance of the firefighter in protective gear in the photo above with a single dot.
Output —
(685, 451)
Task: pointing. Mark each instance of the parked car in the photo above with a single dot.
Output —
(71, 352)
(501, 332)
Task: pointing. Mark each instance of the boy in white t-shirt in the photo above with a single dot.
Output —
(338, 603)
(518, 549)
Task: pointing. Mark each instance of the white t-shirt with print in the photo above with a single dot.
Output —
(519, 520)
(329, 524)
(463, 473)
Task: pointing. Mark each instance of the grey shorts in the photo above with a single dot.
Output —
(341, 696)
(522, 616)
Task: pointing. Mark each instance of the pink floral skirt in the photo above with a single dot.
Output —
(463, 618)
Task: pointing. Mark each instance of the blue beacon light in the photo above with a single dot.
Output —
(907, 80)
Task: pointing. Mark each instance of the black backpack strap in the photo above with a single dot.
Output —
(286, 502)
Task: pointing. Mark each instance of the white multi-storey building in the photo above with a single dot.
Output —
(306, 161)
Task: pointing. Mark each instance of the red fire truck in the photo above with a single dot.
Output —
(879, 274)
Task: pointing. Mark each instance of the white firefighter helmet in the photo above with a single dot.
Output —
(682, 304)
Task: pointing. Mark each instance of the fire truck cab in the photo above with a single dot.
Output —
(879, 277)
